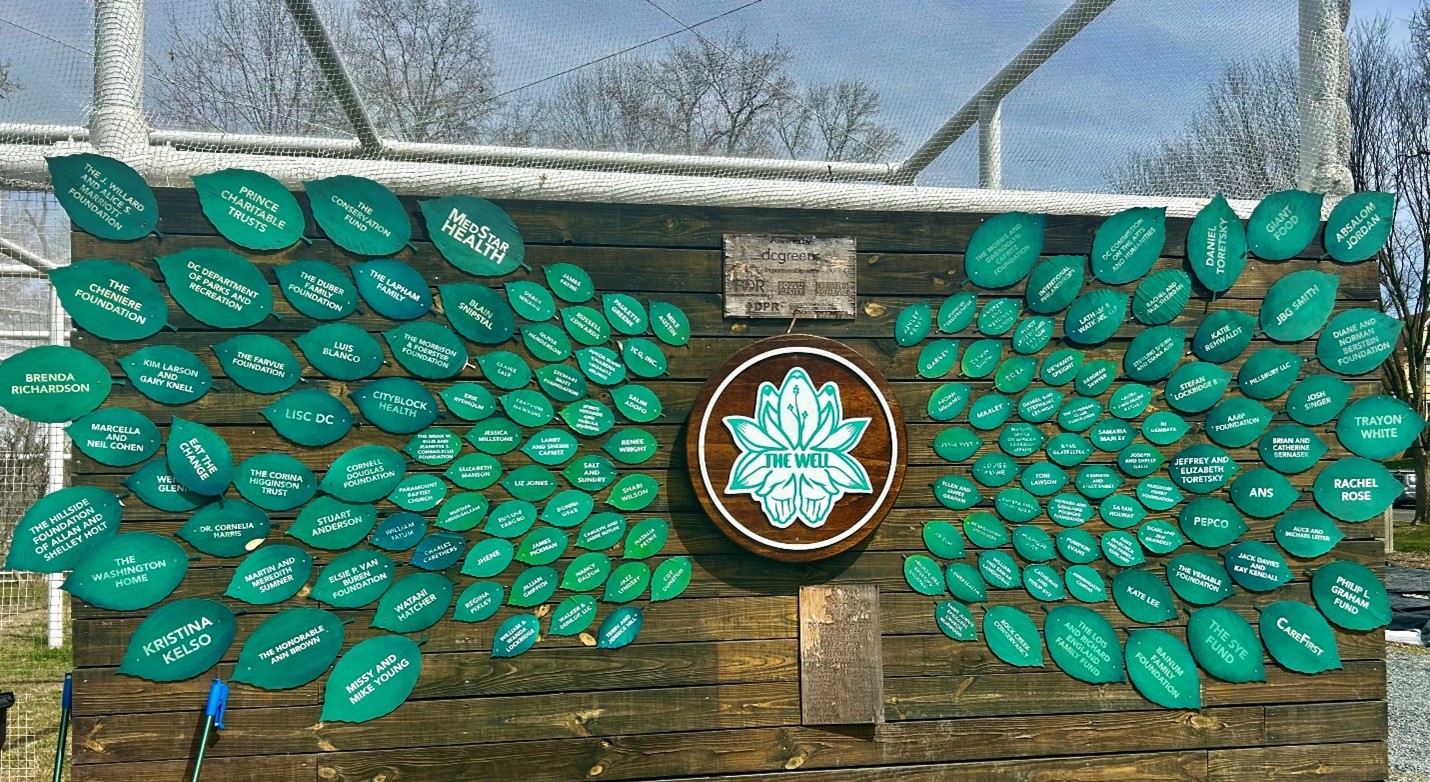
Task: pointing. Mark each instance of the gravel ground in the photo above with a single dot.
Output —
(1408, 684)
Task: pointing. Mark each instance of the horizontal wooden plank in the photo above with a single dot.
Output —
(261, 768)
(1300, 723)
(1360, 762)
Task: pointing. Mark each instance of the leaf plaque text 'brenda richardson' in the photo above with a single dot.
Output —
(797, 448)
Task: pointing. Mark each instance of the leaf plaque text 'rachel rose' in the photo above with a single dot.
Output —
(797, 448)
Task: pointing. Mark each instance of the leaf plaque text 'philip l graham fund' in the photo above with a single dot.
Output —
(797, 448)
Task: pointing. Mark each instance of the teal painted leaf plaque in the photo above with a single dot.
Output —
(494, 436)
(1351, 596)
(601, 365)
(588, 417)
(1237, 422)
(957, 312)
(1161, 297)
(956, 444)
(115, 436)
(1018, 439)
(999, 569)
(1223, 335)
(1216, 245)
(981, 358)
(1162, 669)
(198, 458)
(998, 316)
(1032, 335)
(1095, 378)
(586, 325)
(1299, 638)
(1097, 481)
(167, 374)
(1139, 460)
(646, 539)
(353, 579)
(1357, 341)
(913, 324)
(1111, 435)
(396, 404)
(61, 527)
(1003, 249)
(290, 649)
(310, 417)
(226, 529)
(631, 446)
(474, 234)
(1211, 522)
(1128, 244)
(995, 469)
(433, 446)
(462, 511)
(1015, 374)
(479, 602)
(341, 351)
(948, 401)
(1378, 427)
(488, 558)
(546, 342)
(1298, 304)
(1307, 533)
(511, 519)
(1160, 537)
(1268, 373)
(1095, 317)
(1164, 428)
(1317, 399)
(528, 408)
(1154, 353)
(542, 547)
(414, 603)
(1121, 511)
(366, 473)
(516, 635)
(1054, 283)
(633, 492)
(128, 571)
(938, 358)
(955, 620)
(1283, 224)
(1070, 510)
(530, 482)
(1077, 546)
(399, 532)
(1060, 367)
(620, 628)
(111, 299)
(551, 447)
(625, 313)
(218, 287)
(1085, 584)
(179, 641)
(1013, 637)
(573, 615)
(1068, 449)
(250, 208)
(258, 363)
(331, 524)
(156, 487)
(669, 324)
(317, 289)
(359, 215)
(1355, 489)
(418, 493)
(586, 572)
(372, 679)
(1084, 645)
(644, 358)
(1199, 579)
(670, 579)
(52, 384)
(966, 583)
(984, 530)
(428, 350)
(564, 384)
(1359, 226)
(1122, 549)
(1256, 566)
(1263, 493)
(1225, 646)
(1043, 584)
(569, 282)
(1043, 479)
(103, 196)
(1158, 493)
(438, 551)
(956, 492)
(477, 312)
(990, 412)
(943, 540)
(505, 370)
(531, 300)
(1291, 448)
(629, 581)
(1195, 387)
(590, 473)
(393, 289)
(1143, 597)
(635, 402)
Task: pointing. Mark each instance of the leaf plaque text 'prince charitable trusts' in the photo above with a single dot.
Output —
(797, 448)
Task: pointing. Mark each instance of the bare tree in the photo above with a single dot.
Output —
(835, 122)
(7, 84)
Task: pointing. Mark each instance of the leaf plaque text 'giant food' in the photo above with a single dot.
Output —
(797, 448)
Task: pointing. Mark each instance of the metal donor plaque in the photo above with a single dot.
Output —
(797, 448)
(789, 276)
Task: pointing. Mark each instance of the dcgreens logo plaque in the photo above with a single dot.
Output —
(800, 448)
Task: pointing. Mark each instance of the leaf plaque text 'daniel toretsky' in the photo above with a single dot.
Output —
(797, 448)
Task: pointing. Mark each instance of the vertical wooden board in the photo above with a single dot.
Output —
(841, 661)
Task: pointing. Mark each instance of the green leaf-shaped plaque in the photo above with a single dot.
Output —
(116, 436)
(1018, 439)
(427, 349)
(1095, 317)
(1307, 533)
(250, 208)
(1237, 422)
(984, 530)
(1291, 448)
(602, 365)
(198, 458)
(341, 351)
(1122, 549)
(495, 436)
(590, 473)
(1164, 428)
(218, 287)
(1003, 249)
(1196, 386)
(511, 519)
(1084, 644)
(646, 539)
(913, 324)
(1154, 353)
(1044, 584)
(438, 551)
(103, 196)
(948, 401)
(1378, 427)
(359, 215)
(999, 569)
(332, 524)
(310, 416)
(399, 532)
(990, 411)
(1121, 511)
(631, 446)
(1223, 335)
(573, 615)
(569, 282)
(1283, 224)
(546, 342)
(1112, 435)
(551, 446)
(1097, 481)
(633, 492)
(179, 641)
(1077, 546)
(1015, 374)
(1128, 243)
(1067, 449)
(156, 487)
(1298, 304)
(479, 602)
(433, 446)
(353, 579)
(1355, 489)
(1143, 597)
(516, 635)
(955, 444)
(258, 363)
(59, 529)
(1158, 493)
(998, 316)
(1211, 522)
(1055, 283)
(1317, 399)
(620, 628)
(1069, 510)
(1216, 245)
(1359, 226)
(167, 374)
(1263, 493)
(226, 529)
(418, 493)
(955, 620)
(1256, 566)
(1017, 505)
(414, 603)
(1139, 460)
(372, 679)
(1161, 668)
(1013, 637)
(317, 289)
(1268, 373)
(52, 384)
(981, 358)
(477, 312)
(1060, 367)
(1095, 377)
(1225, 646)
(505, 370)
(1199, 579)
(1033, 544)
(128, 571)
(1043, 479)
(635, 402)
(586, 325)
(1162, 296)
(531, 482)
(1299, 638)
(290, 649)
(588, 417)
(957, 312)
(625, 313)
(1085, 584)
(462, 511)
(542, 547)
(1351, 596)
(393, 289)
(1357, 341)
(630, 580)
(670, 579)
(1160, 537)
(366, 473)
(586, 572)
(938, 358)
(528, 408)
(995, 469)
(474, 234)
(943, 540)
(488, 558)
(113, 300)
(956, 492)
(531, 300)
(966, 583)
(396, 404)
(1032, 335)
(669, 323)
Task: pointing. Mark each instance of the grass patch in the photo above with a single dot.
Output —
(35, 673)
(1412, 539)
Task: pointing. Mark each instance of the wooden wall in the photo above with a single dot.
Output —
(710, 690)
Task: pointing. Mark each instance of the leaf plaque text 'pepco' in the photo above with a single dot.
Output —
(797, 448)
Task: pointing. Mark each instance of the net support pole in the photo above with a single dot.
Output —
(1323, 112)
(117, 127)
(990, 144)
(335, 72)
(55, 454)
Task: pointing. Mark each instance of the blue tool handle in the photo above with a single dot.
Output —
(218, 701)
(67, 699)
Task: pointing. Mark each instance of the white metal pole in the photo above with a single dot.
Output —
(117, 125)
(1324, 115)
(990, 144)
(55, 455)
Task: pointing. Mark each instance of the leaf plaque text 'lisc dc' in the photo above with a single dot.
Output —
(797, 448)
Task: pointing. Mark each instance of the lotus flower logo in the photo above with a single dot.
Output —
(794, 454)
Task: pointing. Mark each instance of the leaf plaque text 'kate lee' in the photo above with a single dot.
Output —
(797, 448)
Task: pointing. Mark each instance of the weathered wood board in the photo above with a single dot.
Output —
(841, 659)
(711, 690)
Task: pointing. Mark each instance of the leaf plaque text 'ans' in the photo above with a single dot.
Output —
(790, 276)
(797, 448)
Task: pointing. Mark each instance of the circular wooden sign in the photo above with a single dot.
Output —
(796, 448)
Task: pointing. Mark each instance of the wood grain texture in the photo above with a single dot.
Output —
(841, 659)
